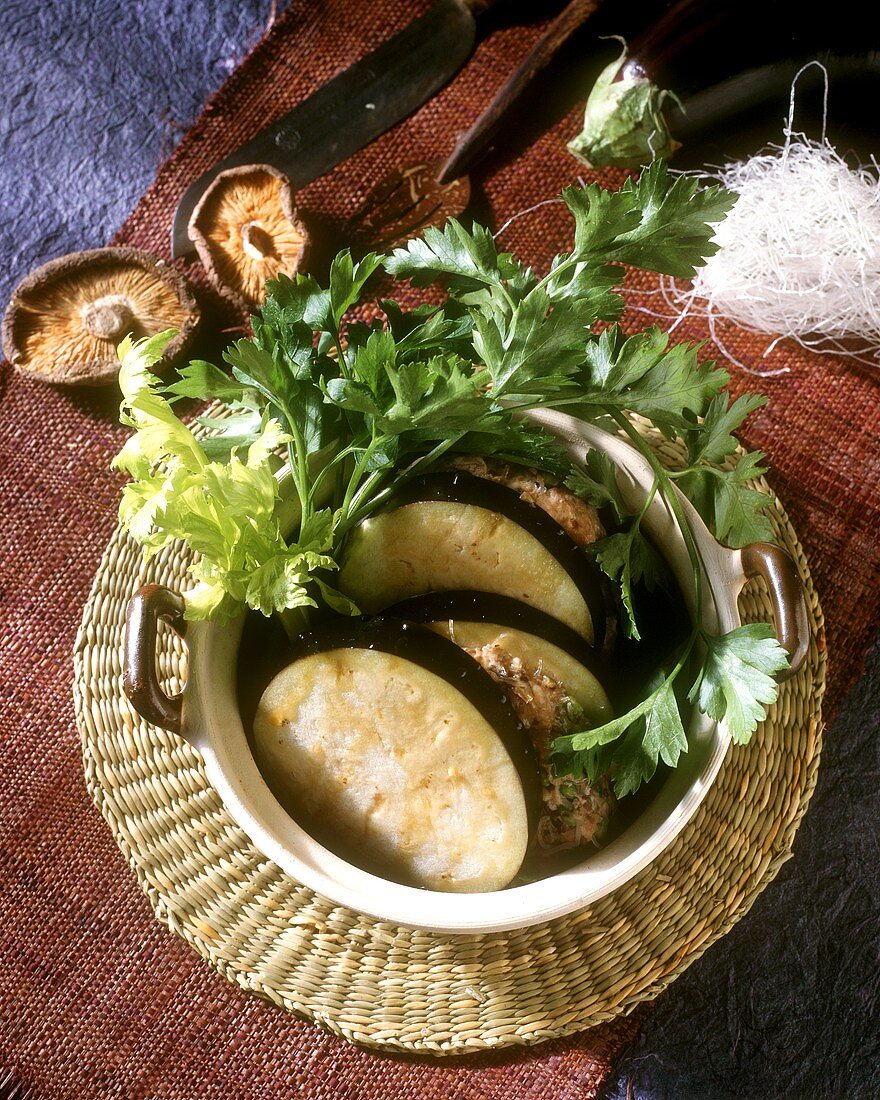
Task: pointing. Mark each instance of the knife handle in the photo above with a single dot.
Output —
(471, 143)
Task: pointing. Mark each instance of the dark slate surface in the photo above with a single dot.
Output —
(786, 1005)
(94, 96)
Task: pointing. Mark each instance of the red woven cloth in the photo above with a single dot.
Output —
(96, 998)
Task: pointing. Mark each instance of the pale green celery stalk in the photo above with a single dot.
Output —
(299, 472)
(295, 621)
(358, 472)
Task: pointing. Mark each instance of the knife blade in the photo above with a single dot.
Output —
(355, 107)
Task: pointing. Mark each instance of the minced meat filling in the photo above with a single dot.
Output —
(574, 810)
(536, 698)
(576, 517)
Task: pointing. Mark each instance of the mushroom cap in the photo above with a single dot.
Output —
(246, 230)
(65, 318)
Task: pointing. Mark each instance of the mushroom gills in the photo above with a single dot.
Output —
(66, 318)
(491, 542)
(389, 764)
(246, 230)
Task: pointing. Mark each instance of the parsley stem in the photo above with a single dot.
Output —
(340, 354)
(495, 282)
(357, 474)
(356, 511)
(507, 297)
(333, 467)
(564, 265)
(364, 490)
(668, 492)
(296, 456)
(611, 731)
(637, 522)
(702, 467)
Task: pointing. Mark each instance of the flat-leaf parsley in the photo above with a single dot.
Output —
(360, 408)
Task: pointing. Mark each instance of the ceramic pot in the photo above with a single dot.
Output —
(206, 714)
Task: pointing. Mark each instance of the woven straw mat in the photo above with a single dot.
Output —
(404, 989)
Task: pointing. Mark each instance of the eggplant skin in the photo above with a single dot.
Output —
(390, 762)
(470, 606)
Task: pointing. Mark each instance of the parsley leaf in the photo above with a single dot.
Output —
(736, 682)
(519, 442)
(637, 740)
(644, 375)
(467, 259)
(660, 736)
(595, 480)
(711, 440)
(294, 307)
(531, 353)
(291, 396)
(629, 557)
(659, 221)
(735, 513)
(426, 398)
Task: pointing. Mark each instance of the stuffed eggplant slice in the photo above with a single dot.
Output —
(506, 533)
(575, 812)
(417, 767)
(390, 741)
(543, 669)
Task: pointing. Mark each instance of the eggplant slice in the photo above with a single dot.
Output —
(390, 764)
(554, 682)
(449, 531)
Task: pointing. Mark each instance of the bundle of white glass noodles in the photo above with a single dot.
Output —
(800, 251)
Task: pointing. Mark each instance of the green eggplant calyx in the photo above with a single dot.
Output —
(624, 125)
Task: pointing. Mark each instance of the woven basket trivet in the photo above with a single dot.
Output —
(398, 988)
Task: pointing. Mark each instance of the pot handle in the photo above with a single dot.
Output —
(763, 559)
(140, 682)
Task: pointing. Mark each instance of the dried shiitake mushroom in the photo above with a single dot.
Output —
(246, 230)
(66, 318)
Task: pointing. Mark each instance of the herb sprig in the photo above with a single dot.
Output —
(360, 408)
